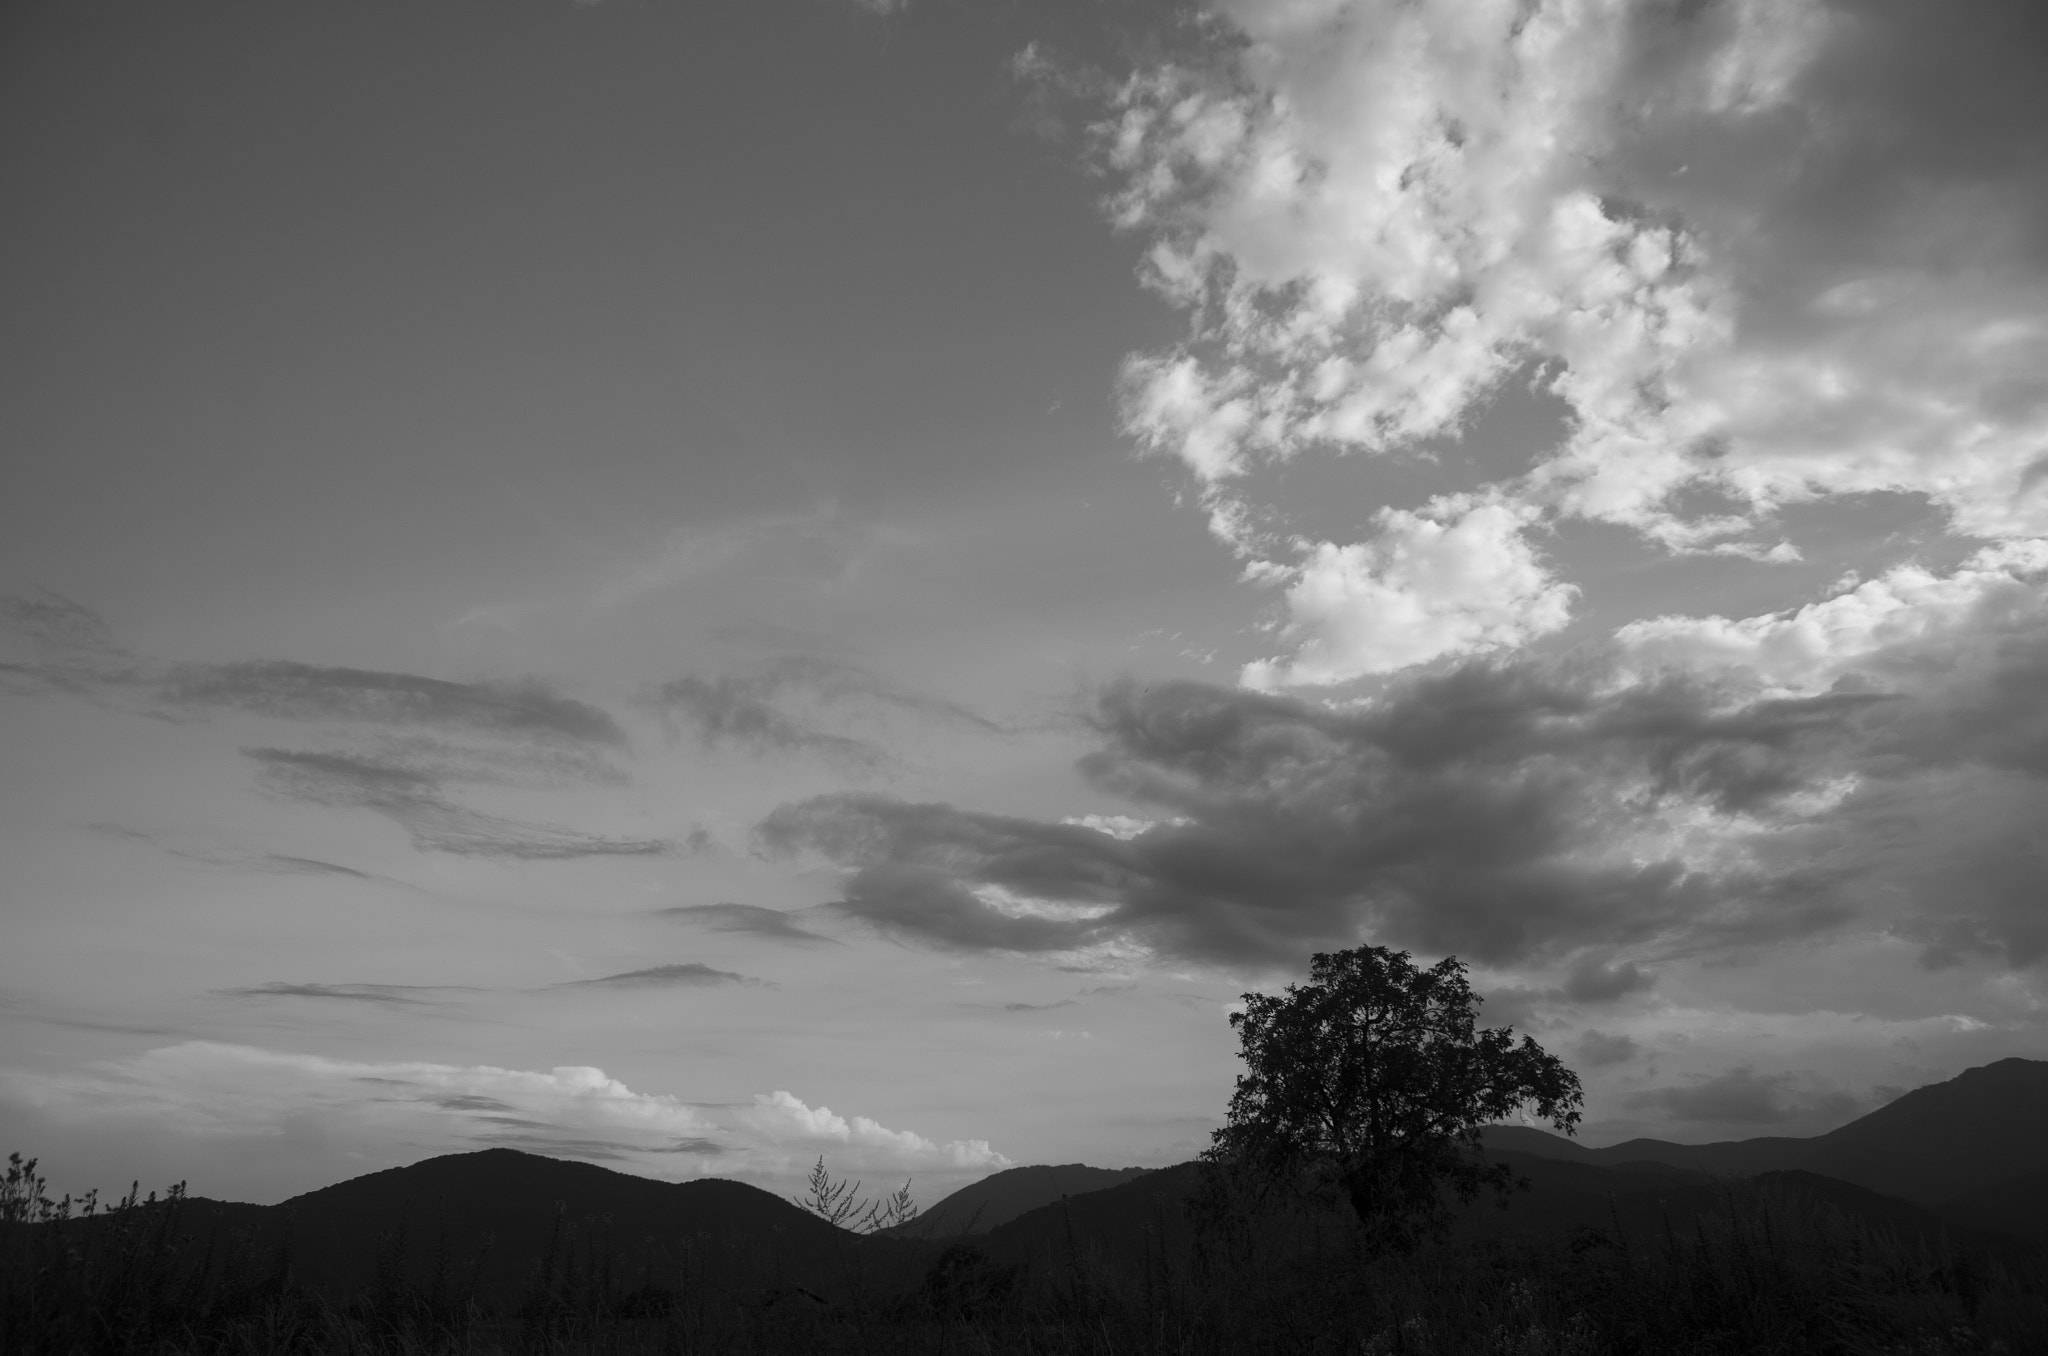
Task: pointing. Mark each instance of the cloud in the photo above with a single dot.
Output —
(749, 918)
(1578, 813)
(404, 738)
(1807, 648)
(1599, 1049)
(206, 853)
(735, 710)
(783, 1118)
(198, 1092)
(1375, 216)
(291, 691)
(312, 866)
(689, 974)
(785, 704)
(395, 994)
(412, 799)
(72, 649)
(1743, 1097)
(1592, 982)
(1426, 586)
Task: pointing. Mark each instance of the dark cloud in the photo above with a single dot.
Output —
(690, 1146)
(1593, 982)
(1039, 1007)
(1742, 1096)
(412, 799)
(750, 918)
(1598, 1049)
(405, 994)
(1559, 812)
(691, 974)
(785, 705)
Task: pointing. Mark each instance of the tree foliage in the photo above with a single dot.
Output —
(1373, 1080)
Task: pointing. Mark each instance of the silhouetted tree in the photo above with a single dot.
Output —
(1374, 1079)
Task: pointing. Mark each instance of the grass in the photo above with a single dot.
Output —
(1768, 1273)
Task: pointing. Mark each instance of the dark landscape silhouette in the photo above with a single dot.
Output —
(1918, 1223)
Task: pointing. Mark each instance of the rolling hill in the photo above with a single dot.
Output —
(1947, 1140)
(1000, 1198)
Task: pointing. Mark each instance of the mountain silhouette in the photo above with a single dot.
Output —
(1935, 1144)
(1947, 1139)
(1000, 1198)
(495, 1222)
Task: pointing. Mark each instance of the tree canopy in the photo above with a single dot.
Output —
(1374, 1079)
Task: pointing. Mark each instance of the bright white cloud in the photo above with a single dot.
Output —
(1379, 212)
(1807, 648)
(1424, 587)
(210, 1091)
(785, 1120)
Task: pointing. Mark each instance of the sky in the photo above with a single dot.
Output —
(699, 586)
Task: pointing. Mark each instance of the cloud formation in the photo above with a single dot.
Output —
(404, 739)
(786, 706)
(1743, 1097)
(411, 797)
(1761, 252)
(1586, 814)
(748, 918)
(687, 974)
(201, 1090)
(405, 995)
(70, 648)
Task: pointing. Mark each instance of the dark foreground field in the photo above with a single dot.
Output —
(505, 1252)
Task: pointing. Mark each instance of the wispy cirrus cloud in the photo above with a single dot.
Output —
(789, 704)
(401, 995)
(72, 649)
(686, 974)
(412, 798)
(748, 918)
(404, 739)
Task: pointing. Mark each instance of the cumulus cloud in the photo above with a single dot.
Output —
(1578, 814)
(1808, 648)
(208, 1091)
(1424, 587)
(783, 1118)
(1373, 215)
